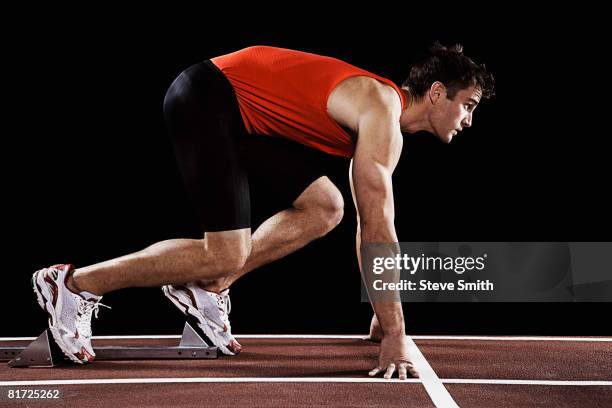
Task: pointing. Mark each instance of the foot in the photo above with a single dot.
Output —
(209, 310)
(69, 313)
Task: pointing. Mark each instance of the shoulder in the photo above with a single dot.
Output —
(361, 95)
(368, 87)
(377, 96)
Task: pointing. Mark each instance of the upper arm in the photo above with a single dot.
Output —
(378, 149)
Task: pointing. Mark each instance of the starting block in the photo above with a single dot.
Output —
(44, 352)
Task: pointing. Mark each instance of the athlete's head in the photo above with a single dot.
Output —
(453, 85)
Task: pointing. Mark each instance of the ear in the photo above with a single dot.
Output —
(436, 91)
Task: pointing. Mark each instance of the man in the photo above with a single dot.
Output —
(212, 110)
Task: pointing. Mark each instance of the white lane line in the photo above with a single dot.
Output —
(523, 382)
(209, 380)
(351, 336)
(437, 391)
(294, 380)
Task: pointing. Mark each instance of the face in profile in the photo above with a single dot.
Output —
(451, 116)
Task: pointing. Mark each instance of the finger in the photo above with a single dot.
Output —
(390, 371)
(402, 371)
(375, 371)
(413, 371)
(410, 368)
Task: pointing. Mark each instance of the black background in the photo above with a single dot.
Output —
(90, 174)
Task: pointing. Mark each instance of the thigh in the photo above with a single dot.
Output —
(281, 170)
(204, 123)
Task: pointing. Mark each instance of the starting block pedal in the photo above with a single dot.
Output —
(44, 352)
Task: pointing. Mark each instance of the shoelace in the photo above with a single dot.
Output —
(85, 309)
(226, 306)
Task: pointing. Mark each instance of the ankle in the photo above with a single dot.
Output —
(71, 285)
(216, 286)
(75, 284)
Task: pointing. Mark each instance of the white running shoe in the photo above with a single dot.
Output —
(69, 313)
(209, 310)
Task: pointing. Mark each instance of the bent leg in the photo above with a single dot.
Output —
(314, 213)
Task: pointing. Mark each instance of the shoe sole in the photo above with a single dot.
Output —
(48, 307)
(192, 312)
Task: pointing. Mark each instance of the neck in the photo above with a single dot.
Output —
(415, 117)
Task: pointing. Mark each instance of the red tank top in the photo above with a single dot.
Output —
(284, 93)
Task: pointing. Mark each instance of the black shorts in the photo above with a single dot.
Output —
(216, 155)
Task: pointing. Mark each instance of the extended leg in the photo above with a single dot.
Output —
(167, 262)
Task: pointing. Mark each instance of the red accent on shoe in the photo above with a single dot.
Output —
(68, 274)
(62, 266)
(51, 282)
(234, 346)
(84, 356)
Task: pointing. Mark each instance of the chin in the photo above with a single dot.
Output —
(444, 138)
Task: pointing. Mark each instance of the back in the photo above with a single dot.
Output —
(284, 93)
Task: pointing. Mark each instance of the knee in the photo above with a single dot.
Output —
(329, 210)
(227, 259)
(324, 203)
(228, 262)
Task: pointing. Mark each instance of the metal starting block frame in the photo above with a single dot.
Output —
(44, 352)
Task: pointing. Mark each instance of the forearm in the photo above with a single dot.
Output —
(390, 317)
(389, 313)
(379, 229)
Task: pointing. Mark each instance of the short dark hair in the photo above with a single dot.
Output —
(451, 67)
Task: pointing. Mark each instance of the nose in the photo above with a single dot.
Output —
(467, 122)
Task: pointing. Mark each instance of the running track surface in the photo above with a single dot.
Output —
(307, 371)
